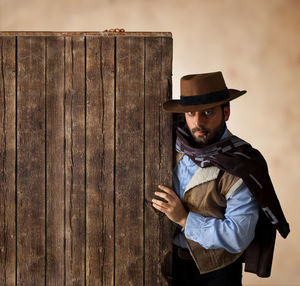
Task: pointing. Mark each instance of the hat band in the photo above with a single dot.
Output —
(204, 98)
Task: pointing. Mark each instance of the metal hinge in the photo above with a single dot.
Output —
(117, 30)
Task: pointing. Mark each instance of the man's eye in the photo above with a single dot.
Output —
(207, 112)
(190, 113)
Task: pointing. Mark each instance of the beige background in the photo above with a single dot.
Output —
(256, 43)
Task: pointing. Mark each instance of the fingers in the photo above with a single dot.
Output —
(174, 211)
(168, 196)
(168, 202)
(165, 196)
(167, 190)
(159, 205)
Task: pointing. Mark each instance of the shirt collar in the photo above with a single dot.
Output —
(225, 133)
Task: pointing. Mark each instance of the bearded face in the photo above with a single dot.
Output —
(207, 126)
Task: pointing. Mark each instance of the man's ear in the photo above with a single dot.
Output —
(226, 112)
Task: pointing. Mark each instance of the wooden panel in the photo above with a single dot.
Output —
(31, 161)
(7, 157)
(100, 160)
(129, 184)
(83, 129)
(55, 160)
(158, 154)
(75, 160)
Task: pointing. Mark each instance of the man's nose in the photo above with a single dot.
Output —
(198, 120)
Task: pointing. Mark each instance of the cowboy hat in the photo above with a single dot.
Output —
(201, 91)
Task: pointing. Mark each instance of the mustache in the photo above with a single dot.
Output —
(199, 129)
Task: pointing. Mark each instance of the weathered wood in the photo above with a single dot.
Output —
(84, 143)
(55, 160)
(8, 159)
(166, 146)
(75, 160)
(129, 184)
(100, 160)
(31, 161)
(158, 154)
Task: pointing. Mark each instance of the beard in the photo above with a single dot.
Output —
(208, 136)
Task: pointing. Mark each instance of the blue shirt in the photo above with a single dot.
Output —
(235, 232)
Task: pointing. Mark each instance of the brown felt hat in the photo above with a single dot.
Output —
(201, 91)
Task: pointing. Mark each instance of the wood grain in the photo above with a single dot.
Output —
(129, 184)
(158, 154)
(100, 160)
(8, 160)
(31, 161)
(84, 143)
(55, 160)
(75, 160)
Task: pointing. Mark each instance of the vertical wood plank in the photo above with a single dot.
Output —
(31, 161)
(129, 182)
(55, 160)
(100, 160)
(75, 160)
(167, 228)
(158, 155)
(7, 158)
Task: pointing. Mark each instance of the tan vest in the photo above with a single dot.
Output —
(206, 194)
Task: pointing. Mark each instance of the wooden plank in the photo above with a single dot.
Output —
(158, 156)
(75, 160)
(100, 161)
(167, 228)
(31, 161)
(129, 181)
(55, 160)
(7, 157)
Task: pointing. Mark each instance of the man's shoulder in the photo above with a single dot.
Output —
(178, 156)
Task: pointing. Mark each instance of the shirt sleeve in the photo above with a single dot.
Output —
(235, 232)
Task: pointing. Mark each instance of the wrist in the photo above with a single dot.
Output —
(183, 221)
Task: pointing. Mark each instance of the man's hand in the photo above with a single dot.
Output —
(172, 208)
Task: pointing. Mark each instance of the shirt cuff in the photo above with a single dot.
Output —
(193, 220)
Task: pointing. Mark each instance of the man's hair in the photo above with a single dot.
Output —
(224, 105)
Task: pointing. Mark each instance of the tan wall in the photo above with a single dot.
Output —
(256, 45)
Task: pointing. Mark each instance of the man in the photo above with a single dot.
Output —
(223, 198)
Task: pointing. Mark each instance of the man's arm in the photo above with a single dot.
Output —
(234, 233)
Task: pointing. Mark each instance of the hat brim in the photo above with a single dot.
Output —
(174, 105)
